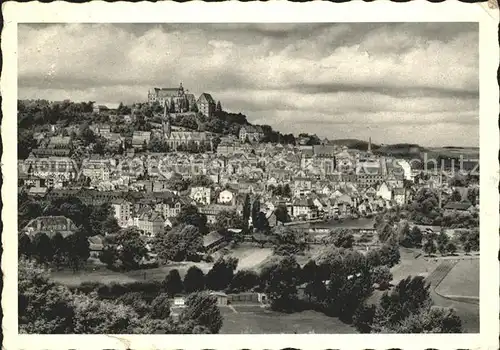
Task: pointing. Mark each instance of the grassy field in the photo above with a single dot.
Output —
(411, 266)
(463, 279)
(249, 256)
(256, 320)
(106, 276)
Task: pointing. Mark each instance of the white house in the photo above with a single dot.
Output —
(384, 192)
(226, 196)
(201, 195)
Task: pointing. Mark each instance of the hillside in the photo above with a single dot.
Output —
(401, 149)
(353, 144)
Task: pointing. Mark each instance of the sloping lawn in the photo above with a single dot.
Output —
(463, 279)
(261, 321)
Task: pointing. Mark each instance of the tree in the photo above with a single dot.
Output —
(59, 248)
(86, 135)
(389, 254)
(442, 242)
(43, 250)
(385, 232)
(228, 219)
(173, 283)
(429, 247)
(108, 256)
(309, 271)
(261, 223)
(43, 306)
(160, 306)
(415, 237)
(24, 246)
(244, 280)
(382, 276)
(283, 282)
(190, 215)
(218, 107)
(287, 191)
(25, 143)
(136, 301)
(467, 246)
(246, 208)
(473, 195)
(255, 211)
(374, 257)
(181, 243)
(201, 181)
(78, 249)
(451, 248)
(221, 274)
(194, 280)
(157, 144)
(424, 210)
(95, 316)
(408, 297)
(456, 196)
(131, 248)
(404, 234)
(202, 310)
(343, 238)
(194, 107)
(288, 241)
(282, 214)
(363, 318)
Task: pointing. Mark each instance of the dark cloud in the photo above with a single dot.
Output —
(354, 76)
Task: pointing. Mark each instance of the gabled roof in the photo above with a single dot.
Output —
(206, 98)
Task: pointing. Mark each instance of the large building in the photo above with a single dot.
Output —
(251, 132)
(206, 105)
(177, 100)
(174, 139)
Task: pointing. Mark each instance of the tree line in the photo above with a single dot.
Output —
(49, 308)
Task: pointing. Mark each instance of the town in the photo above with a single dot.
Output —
(194, 220)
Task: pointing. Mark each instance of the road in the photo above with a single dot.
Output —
(468, 312)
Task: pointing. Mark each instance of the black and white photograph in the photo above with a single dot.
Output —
(249, 178)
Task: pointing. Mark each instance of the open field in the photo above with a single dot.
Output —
(256, 320)
(467, 311)
(106, 276)
(462, 280)
(411, 266)
(249, 256)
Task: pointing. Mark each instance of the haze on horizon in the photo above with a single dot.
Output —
(393, 82)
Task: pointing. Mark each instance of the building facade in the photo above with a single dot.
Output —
(206, 105)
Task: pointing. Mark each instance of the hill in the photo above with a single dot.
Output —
(401, 149)
(353, 144)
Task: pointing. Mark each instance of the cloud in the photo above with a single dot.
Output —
(307, 76)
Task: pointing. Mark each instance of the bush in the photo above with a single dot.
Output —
(382, 276)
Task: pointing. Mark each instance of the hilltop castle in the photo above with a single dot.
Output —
(179, 100)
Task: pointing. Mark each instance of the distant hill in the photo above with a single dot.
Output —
(353, 144)
(401, 149)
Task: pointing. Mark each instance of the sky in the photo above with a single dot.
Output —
(393, 82)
